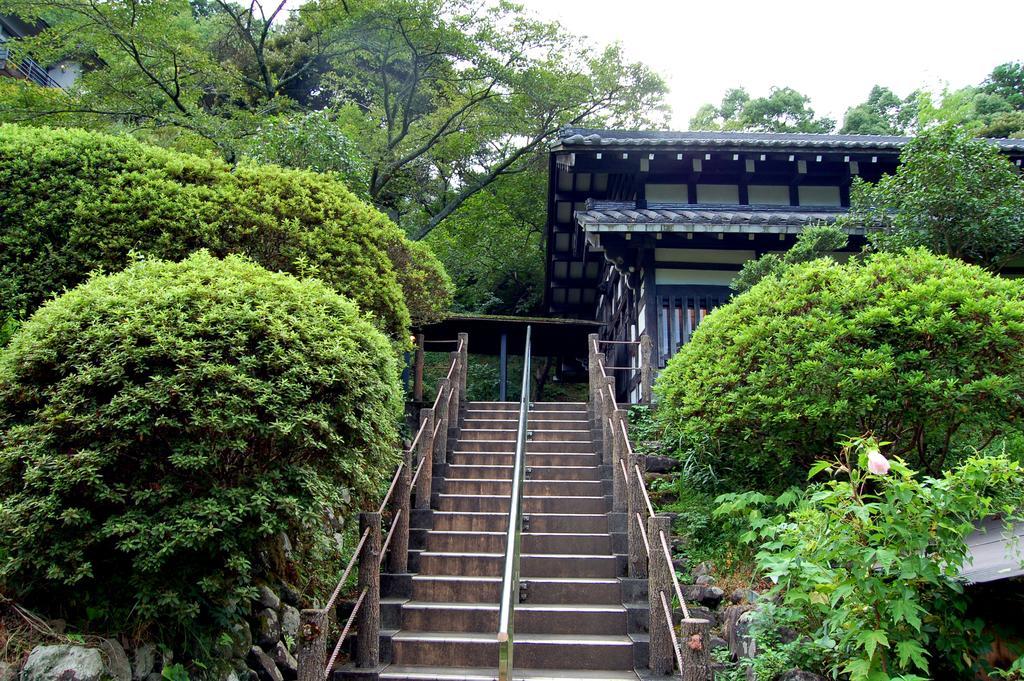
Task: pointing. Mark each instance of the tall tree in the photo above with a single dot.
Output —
(884, 113)
(782, 110)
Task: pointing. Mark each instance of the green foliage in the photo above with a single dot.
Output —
(79, 201)
(783, 110)
(159, 429)
(816, 241)
(882, 114)
(922, 350)
(866, 564)
(953, 194)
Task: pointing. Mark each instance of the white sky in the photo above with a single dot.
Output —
(832, 51)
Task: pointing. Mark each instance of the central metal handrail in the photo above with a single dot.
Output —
(510, 576)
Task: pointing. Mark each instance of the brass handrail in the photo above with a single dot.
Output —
(510, 576)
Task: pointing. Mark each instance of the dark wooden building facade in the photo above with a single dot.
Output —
(646, 230)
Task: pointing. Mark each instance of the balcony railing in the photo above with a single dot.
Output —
(26, 66)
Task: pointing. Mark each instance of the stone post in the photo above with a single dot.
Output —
(464, 374)
(417, 385)
(398, 552)
(659, 582)
(592, 382)
(425, 482)
(311, 653)
(646, 370)
(607, 409)
(368, 619)
(455, 405)
(635, 505)
(441, 445)
(695, 634)
(619, 490)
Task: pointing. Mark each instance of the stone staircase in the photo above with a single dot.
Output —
(571, 622)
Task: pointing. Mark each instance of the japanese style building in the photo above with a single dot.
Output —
(646, 230)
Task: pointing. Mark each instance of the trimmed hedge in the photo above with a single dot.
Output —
(77, 201)
(161, 427)
(920, 350)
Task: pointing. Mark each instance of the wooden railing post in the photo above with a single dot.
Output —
(456, 401)
(417, 381)
(607, 409)
(635, 505)
(426, 479)
(659, 582)
(441, 445)
(592, 379)
(599, 383)
(368, 645)
(694, 636)
(619, 418)
(646, 370)
(311, 653)
(464, 372)
(398, 552)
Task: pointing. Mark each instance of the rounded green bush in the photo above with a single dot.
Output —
(161, 427)
(919, 350)
(77, 201)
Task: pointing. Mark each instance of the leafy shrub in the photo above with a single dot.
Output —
(77, 201)
(924, 351)
(817, 241)
(159, 429)
(866, 565)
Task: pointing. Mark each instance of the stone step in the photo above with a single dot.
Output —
(537, 406)
(509, 434)
(530, 618)
(417, 673)
(596, 523)
(549, 590)
(534, 415)
(531, 564)
(536, 488)
(500, 504)
(532, 424)
(548, 651)
(533, 542)
(504, 472)
(532, 459)
(532, 447)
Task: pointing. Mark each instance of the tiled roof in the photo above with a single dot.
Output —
(572, 138)
(607, 216)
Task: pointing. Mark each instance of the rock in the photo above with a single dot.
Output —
(267, 598)
(8, 672)
(679, 564)
(144, 662)
(702, 613)
(64, 663)
(285, 661)
(800, 675)
(710, 596)
(739, 596)
(736, 627)
(263, 665)
(290, 624)
(705, 580)
(155, 676)
(704, 568)
(118, 667)
(716, 643)
(661, 464)
(289, 595)
(268, 628)
(231, 676)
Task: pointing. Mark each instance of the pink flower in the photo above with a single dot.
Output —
(877, 464)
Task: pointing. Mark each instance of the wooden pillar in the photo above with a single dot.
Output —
(503, 368)
(607, 409)
(646, 370)
(659, 582)
(426, 479)
(464, 375)
(441, 445)
(618, 454)
(368, 625)
(417, 381)
(311, 653)
(695, 635)
(454, 404)
(635, 505)
(398, 557)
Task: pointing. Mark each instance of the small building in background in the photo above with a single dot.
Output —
(15, 63)
(646, 230)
